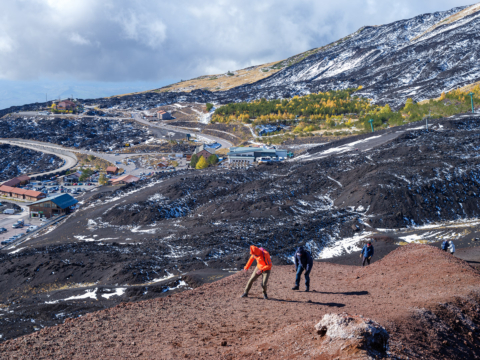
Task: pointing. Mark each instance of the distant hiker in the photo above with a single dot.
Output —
(445, 245)
(303, 261)
(263, 268)
(367, 253)
(451, 247)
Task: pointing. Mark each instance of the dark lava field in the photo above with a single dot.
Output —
(179, 222)
(15, 161)
(89, 133)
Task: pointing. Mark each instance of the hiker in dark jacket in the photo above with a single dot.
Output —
(445, 245)
(367, 253)
(303, 261)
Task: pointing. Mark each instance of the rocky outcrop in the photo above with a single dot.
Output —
(352, 336)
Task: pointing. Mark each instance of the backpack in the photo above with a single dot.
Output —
(266, 257)
(444, 246)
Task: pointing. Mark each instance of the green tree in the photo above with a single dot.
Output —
(86, 173)
(193, 161)
(409, 103)
(212, 159)
(209, 107)
(201, 164)
(103, 180)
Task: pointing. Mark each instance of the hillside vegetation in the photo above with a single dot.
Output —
(342, 109)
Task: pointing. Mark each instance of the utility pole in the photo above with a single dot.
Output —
(371, 124)
(471, 97)
(429, 114)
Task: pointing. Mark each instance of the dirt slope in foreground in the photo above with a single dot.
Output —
(426, 299)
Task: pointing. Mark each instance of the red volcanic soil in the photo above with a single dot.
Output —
(427, 300)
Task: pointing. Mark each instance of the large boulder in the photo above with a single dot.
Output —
(352, 337)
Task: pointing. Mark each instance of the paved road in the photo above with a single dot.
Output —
(225, 144)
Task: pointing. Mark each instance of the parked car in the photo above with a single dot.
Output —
(43, 219)
(17, 226)
(2, 230)
(32, 228)
(9, 211)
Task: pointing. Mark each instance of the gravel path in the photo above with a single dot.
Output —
(402, 292)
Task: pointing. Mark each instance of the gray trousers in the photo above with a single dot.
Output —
(265, 275)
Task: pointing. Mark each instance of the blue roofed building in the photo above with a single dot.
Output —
(57, 205)
(248, 155)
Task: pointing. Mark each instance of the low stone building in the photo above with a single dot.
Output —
(22, 194)
(125, 179)
(112, 170)
(17, 181)
(57, 205)
(164, 115)
(204, 151)
(66, 105)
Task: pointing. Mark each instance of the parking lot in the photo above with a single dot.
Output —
(6, 221)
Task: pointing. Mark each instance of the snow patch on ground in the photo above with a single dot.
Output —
(344, 246)
(118, 292)
(90, 294)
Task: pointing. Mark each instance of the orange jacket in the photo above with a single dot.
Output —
(264, 262)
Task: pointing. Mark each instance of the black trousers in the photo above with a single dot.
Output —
(366, 260)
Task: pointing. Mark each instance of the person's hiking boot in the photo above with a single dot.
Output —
(296, 288)
(307, 289)
(244, 295)
(265, 296)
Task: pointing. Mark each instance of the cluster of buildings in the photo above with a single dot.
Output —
(42, 205)
(249, 155)
(10, 189)
(268, 129)
(56, 205)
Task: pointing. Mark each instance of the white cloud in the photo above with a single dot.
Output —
(6, 44)
(78, 39)
(157, 39)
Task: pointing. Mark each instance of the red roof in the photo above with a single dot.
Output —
(161, 112)
(12, 182)
(67, 102)
(23, 178)
(18, 191)
(6, 188)
(125, 178)
(33, 193)
(112, 168)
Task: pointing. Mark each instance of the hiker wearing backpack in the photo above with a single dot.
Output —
(303, 261)
(451, 247)
(367, 253)
(263, 268)
(445, 245)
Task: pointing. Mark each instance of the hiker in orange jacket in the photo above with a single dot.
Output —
(263, 268)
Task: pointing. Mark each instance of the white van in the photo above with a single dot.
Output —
(9, 211)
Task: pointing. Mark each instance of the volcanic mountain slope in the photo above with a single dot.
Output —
(416, 58)
(15, 161)
(427, 300)
(91, 134)
(418, 178)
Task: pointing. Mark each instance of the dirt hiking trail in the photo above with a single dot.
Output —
(427, 300)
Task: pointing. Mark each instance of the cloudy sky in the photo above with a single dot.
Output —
(92, 48)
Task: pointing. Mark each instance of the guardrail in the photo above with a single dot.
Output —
(24, 237)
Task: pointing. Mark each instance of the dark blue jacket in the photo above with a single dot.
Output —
(303, 258)
(367, 251)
